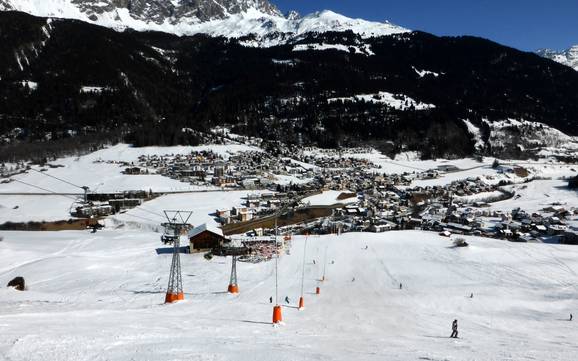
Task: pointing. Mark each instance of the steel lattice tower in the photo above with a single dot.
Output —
(175, 287)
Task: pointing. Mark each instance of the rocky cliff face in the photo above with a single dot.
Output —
(157, 11)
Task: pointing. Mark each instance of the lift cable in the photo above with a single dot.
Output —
(148, 211)
(62, 180)
(44, 189)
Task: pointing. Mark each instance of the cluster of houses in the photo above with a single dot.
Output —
(244, 170)
(383, 201)
(104, 204)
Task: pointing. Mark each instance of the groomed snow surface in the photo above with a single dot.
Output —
(100, 297)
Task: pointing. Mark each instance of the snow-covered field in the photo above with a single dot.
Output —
(34, 208)
(98, 172)
(539, 194)
(203, 205)
(100, 297)
(329, 198)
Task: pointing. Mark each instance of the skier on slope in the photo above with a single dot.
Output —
(571, 317)
(271, 299)
(454, 329)
(287, 299)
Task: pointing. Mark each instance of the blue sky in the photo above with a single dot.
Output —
(526, 25)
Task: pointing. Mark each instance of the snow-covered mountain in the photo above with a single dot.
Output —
(567, 57)
(229, 18)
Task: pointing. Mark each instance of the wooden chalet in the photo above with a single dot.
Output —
(205, 237)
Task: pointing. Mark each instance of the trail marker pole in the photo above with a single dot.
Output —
(277, 316)
(324, 264)
(301, 300)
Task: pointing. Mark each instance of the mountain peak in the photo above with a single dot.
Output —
(228, 18)
(568, 57)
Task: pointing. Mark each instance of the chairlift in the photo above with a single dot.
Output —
(170, 233)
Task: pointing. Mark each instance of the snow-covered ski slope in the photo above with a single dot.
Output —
(99, 297)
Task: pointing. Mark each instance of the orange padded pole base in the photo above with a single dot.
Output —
(301, 303)
(317, 290)
(174, 297)
(233, 289)
(277, 317)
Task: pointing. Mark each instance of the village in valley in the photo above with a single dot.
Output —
(357, 195)
(317, 191)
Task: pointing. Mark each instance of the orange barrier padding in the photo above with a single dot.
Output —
(301, 303)
(174, 297)
(277, 317)
(233, 289)
(317, 290)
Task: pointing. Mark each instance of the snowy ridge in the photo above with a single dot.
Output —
(567, 57)
(256, 17)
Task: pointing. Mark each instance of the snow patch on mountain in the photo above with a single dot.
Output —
(363, 50)
(476, 134)
(423, 73)
(397, 101)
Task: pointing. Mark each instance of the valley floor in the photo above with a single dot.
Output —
(100, 297)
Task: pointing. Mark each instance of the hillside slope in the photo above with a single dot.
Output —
(99, 296)
(62, 77)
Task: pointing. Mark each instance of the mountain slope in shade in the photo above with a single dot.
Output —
(229, 18)
(61, 77)
(567, 57)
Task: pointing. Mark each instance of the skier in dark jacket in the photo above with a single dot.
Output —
(454, 329)
(287, 299)
(271, 299)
